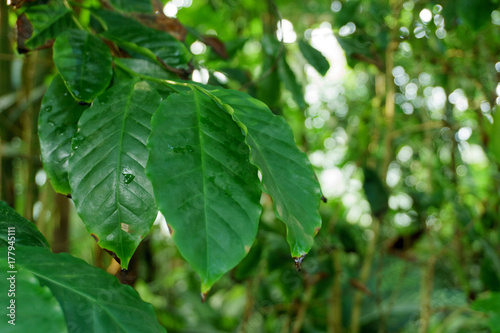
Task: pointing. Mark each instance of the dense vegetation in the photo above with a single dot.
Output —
(393, 101)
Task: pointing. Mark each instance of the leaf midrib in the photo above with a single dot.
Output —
(200, 138)
(119, 164)
(91, 300)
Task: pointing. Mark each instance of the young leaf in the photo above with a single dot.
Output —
(89, 296)
(26, 233)
(287, 174)
(35, 308)
(57, 123)
(314, 57)
(134, 37)
(84, 62)
(48, 22)
(204, 183)
(106, 171)
(288, 77)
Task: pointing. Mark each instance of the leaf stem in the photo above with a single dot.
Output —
(73, 15)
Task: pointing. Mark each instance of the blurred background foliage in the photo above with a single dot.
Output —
(400, 123)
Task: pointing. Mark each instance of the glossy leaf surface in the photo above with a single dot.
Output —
(48, 22)
(84, 62)
(36, 308)
(106, 171)
(204, 183)
(57, 123)
(287, 174)
(137, 38)
(90, 297)
(26, 232)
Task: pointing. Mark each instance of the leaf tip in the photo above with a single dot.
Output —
(204, 296)
(298, 262)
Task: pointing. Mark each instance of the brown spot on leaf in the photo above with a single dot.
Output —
(247, 248)
(125, 227)
(316, 230)
(95, 237)
(170, 230)
(323, 198)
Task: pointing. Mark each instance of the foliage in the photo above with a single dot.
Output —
(394, 102)
(195, 161)
(60, 293)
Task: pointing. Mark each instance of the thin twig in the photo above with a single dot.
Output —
(363, 277)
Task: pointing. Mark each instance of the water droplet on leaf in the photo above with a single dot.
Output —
(48, 108)
(77, 141)
(128, 177)
(189, 148)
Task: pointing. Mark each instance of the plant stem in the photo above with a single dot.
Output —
(363, 277)
(335, 300)
(427, 283)
(304, 304)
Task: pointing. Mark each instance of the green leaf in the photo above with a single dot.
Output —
(269, 89)
(494, 323)
(57, 123)
(131, 6)
(26, 233)
(106, 171)
(84, 62)
(488, 305)
(90, 298)
(48, 22)
(287, 174)
(134, 37)
(375, 192)
(314, 57)
(204, 183)
(288, 77)
(35, 307)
